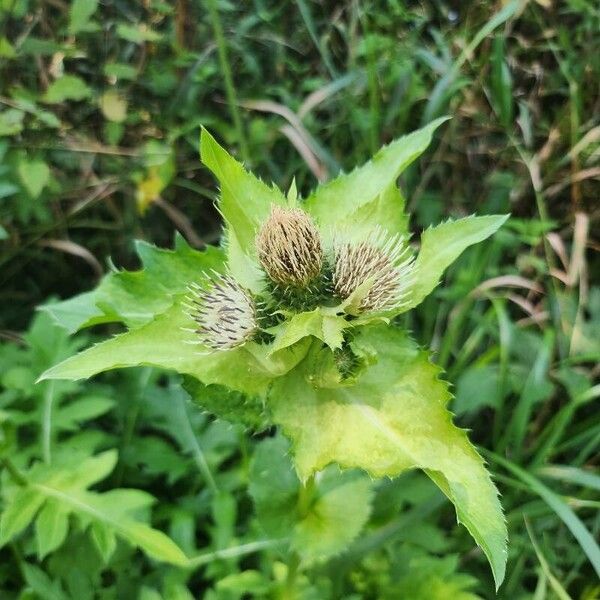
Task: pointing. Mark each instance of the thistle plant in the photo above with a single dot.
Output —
(292, 323)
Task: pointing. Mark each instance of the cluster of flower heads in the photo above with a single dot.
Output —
(291, 254)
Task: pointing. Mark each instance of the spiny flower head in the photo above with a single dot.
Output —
(289, 247)
(225, 313)
(382, 260)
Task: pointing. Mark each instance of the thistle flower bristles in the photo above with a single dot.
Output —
(224, 313)
(384, 261)
(289, 248)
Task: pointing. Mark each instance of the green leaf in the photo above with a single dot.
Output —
(136, 297)
(69, 417)
(68, 87)
(104, 539)
(153, 542)
(41, 584)
(51, 528)
(440, 247)
(164, 343)
(19, 513)
(334, 520)
(80, 14)
(245, 202)
(7, 50)
(322, 518)
(393, 419)
(324, 326)
(367, 197)
(34, 175)
(227, 404)
(11, 121)
(138, 34)
(113, 106)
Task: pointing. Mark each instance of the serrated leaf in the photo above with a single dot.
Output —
(227, 404)
(51, 528)
(245, 202)
(369, 190)
(334, 520)
(440, 247)
(319, 526)
(164, 343)
(136, 297)
(393, 419)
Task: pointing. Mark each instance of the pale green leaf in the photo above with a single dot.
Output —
(51, 528)
(136, 297)
(393, 419)
(324, 326)
(440, 247)
(321, 519)
(165, 343)
(34, 175)
(68, 87)
(245, 202)
(113, 106)
(334, 520)
(80, 14)
(367, 198)
(19, 513)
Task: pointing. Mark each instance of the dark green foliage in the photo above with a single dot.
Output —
(100, 107)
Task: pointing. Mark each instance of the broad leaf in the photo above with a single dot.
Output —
(166, 342)
(394, 418)
(135, 297)
(367, 197)
(440, 247)
(321, 519)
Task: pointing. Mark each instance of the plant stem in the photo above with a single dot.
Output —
(225, 68)
(47, 423)
(13, 472)
(305, 498)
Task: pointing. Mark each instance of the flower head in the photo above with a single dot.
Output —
(289, 247)
(383, 261)
(225, 314)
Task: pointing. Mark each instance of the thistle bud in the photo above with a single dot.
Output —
(384, 261)
(225, 314)
(289, 247)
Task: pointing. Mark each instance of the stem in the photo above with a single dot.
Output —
(47, 423)
(18, 478)
(305, 498)
(225, 68)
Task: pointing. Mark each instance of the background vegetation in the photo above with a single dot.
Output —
(100, 108)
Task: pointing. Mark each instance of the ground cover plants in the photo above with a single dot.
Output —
(147, 483)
